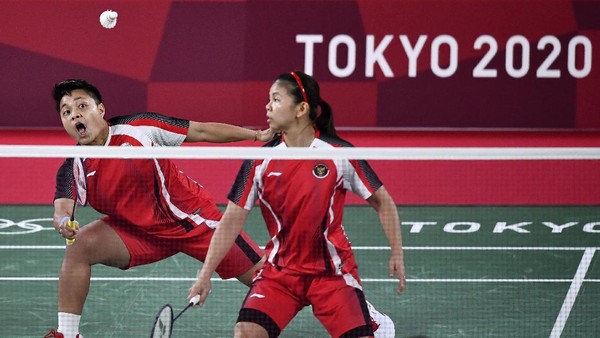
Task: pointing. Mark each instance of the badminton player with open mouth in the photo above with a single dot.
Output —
(152, 210)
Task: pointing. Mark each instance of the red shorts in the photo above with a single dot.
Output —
(146, 248)
(337, 302)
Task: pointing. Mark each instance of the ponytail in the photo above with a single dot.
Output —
(324, 120)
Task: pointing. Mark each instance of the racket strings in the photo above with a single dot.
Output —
(80, 180)
(163, 324)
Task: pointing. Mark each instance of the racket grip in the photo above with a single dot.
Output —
(72, 225)
(195, 300)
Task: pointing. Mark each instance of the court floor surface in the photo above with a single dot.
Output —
(472, 271)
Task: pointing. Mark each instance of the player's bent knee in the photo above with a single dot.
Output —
(256, 324)
(247, 329)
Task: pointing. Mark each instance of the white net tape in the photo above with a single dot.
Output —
(366, 153)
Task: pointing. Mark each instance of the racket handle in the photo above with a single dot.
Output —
(195, 300)
(192, 302)
(72, 225)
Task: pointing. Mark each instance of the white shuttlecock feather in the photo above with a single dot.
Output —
(108, 19)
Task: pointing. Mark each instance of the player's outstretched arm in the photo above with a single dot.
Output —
(222, 133)
(387, 211)
(227, 231)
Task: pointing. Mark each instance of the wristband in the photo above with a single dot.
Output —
(64, 219)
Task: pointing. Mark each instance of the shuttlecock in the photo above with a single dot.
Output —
(108, 19)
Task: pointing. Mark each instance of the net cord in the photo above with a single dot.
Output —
(365, 153)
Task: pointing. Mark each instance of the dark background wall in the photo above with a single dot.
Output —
(215, 60)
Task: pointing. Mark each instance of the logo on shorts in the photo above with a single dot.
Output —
(320, 171)
(257, 295)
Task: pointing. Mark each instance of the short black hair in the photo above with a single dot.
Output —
(67, 86)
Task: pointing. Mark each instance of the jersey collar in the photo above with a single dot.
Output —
(317, 134)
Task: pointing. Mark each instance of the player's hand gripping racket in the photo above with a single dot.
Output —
(163, 324)
(72, 223)
(80, 193)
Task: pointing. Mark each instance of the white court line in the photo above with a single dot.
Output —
(579, 278)
(367, 248)
(381, 280)
(478, 280)
(369, 280)
(28, 247)
(481, 248)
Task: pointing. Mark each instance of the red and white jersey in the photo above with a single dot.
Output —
(302, 203)
(152, 194)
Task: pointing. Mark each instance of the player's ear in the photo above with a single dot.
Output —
(302, 109)
(101, 109)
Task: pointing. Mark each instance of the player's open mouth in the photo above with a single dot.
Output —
(80, 129)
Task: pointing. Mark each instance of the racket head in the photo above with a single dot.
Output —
(163, 323)
(80, 180)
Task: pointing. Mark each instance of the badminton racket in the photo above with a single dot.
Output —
(80, 193)
(163, 323)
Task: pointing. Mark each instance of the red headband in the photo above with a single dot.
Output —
(300, 85)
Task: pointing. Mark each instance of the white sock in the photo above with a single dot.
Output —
(68, 324)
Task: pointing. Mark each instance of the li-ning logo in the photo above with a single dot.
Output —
(320, 171)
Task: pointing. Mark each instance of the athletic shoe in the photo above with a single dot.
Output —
(55, 334)
(383, 326)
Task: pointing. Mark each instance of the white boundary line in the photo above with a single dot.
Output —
(579, 278)
(479, 248)
(366, 153)
(29, 247)
(575, 283)
(367, 280)
(369, 248)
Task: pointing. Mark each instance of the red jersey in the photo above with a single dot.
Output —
(302, 202)
(152, 194)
